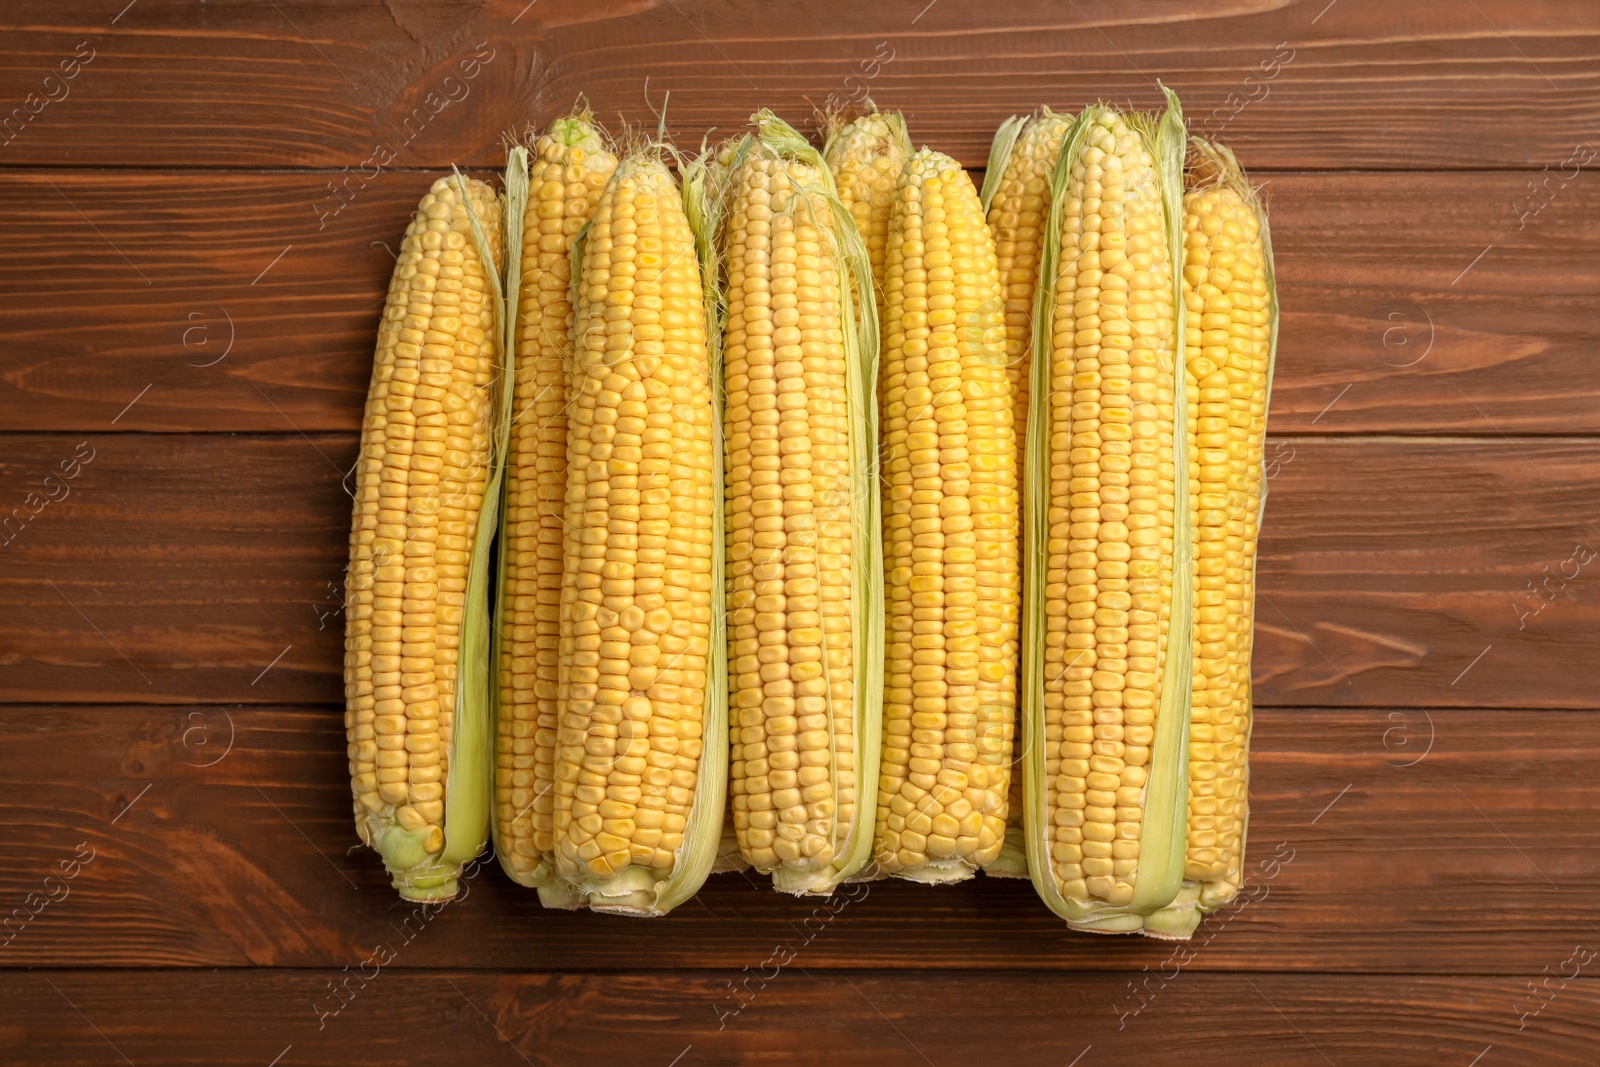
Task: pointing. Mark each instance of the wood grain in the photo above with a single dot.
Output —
(200, 221)
(222, 838)
(242, 303)
(1491, 84)
(197, 568)
(86, 1019)
(242, 309)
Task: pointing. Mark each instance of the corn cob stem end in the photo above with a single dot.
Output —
(805, 883)
(936, 872)
(1115, 923)
(561, 895)
(1013, 859)
(632, 891)
(1216, 895)
(1177, 921)
(534, 878)
(411, 872)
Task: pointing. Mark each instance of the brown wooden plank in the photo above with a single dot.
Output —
(222, 837)
(1496, 83)
(209, 568)
(227, 296)
(90, 1018)
(171, 565)
(253, 318)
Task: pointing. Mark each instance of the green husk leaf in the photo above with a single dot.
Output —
(1005, 139)
(1164, 832)
(719, 163)
(899, 132)
(859, 319)
(1164, 828)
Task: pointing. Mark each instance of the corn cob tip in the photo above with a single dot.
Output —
(1211, 166)
(576, 131)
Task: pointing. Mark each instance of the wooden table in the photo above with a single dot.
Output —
(199, 206)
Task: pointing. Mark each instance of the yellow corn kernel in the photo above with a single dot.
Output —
(1228, 352)
(950, 521)
(636, 595)
(1017, 214)
(867, 156)
(1016, 218)
(1109, 563)
(570, 167)
(420, 481)
(791, 608)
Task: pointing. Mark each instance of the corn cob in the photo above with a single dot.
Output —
(950, 518)
(719, 163)
(570, 167)
(415, 591)
(641, 757)
(1107, 683)
(866, 156)
(1016, 195)
(1017, 210)
(708, 174)
(705, 198)
(804, 599)
(1230, 340)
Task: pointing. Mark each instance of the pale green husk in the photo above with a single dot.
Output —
(1005, 139)
(1163, 830)
(859, 324)
(468, 782)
